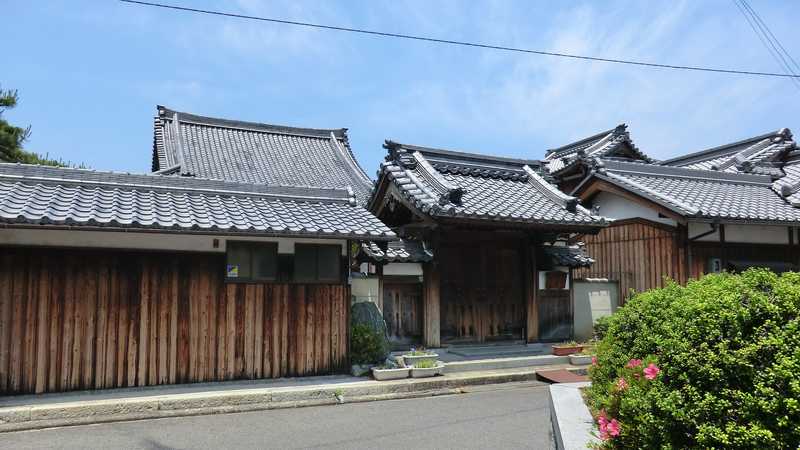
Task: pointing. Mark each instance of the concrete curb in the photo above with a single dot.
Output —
(30, 417)
(572, 422)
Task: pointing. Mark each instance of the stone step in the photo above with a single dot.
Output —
(504, 363)
(509, 350)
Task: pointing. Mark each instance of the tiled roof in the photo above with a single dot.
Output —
(570, 256)
(403, 250)
(700, 194)
(612, 143)
(761, 154)
(188, 144)
(444, 183)
(86, 198)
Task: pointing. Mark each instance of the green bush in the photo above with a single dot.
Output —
(600, 327)
(367, 346)
(728, 350)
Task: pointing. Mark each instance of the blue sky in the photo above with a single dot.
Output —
(90, 73)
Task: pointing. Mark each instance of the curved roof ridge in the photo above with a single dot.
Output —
(91, 177)
(322, 133)
(721, 149)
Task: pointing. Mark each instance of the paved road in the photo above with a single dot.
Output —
(489, 417)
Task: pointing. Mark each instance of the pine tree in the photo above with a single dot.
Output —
(12, 137)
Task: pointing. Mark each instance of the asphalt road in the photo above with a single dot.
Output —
(489, 417)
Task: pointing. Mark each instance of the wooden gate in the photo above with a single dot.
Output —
(481, 290)
(99, 319)
(402, 311)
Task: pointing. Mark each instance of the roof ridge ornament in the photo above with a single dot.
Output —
(448, 192)
(548, 190)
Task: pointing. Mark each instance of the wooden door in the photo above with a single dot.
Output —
(481, 291)
(555, 315)
(402, 311)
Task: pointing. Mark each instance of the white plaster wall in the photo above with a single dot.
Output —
(365, 289)
(414, 269)
(144, 241)
(751, 234)
(543, 275)
(615, 207)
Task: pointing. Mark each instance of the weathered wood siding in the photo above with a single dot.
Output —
(482, 288)
(88, 319)
(637, 253)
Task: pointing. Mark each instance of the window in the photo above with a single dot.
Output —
(317, 263)
(252, 261)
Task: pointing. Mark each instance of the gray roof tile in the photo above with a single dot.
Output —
(403, 250)
(49, 195)
(570, 256)
(613, 143)
(701, 193)
(188, 144)
(444, 183)
(761, 154)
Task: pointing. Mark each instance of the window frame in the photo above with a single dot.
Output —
(316, 279)
(251, 247)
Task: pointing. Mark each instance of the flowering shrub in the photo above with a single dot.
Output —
(715, 364)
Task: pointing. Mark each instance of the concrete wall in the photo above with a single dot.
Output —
(412, 269)
(593, 299)
(144, 241)
(616, 207)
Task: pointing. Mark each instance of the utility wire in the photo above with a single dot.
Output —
(765, 39)
(774, 38)
(463, 43)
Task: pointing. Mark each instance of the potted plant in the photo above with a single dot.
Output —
(385, 372)
(427, 368)
(584, 357)
(567, 348)
(415, 356)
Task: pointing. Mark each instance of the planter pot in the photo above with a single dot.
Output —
(565, 350)
(580, 360)
(413, 360)
(390, 374)
(429, 372)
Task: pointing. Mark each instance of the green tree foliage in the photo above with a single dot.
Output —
(12, 137)
(727, 352)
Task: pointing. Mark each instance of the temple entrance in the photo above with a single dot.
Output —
(482, 295)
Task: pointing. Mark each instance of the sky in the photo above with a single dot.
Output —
(91, 72)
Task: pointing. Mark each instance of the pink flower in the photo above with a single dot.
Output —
(634, 363)
(612, 428)
(608, 428)
(651, 371)
(594, 360)
(622, 384)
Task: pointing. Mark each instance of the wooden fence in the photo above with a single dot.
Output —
(637, 253)
(88, 320)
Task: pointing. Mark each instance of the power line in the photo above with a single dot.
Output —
(774, 38)
(761, 31)
(462, 43)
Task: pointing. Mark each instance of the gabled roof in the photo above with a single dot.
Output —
(39, 195)
(613, 143)
(206, 147)
(759, 154)
(403, 250)
(449, 184)
(698, 194)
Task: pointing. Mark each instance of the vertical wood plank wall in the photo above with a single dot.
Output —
(638, 254)
(89, 319)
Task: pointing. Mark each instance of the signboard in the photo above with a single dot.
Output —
(232, 271)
